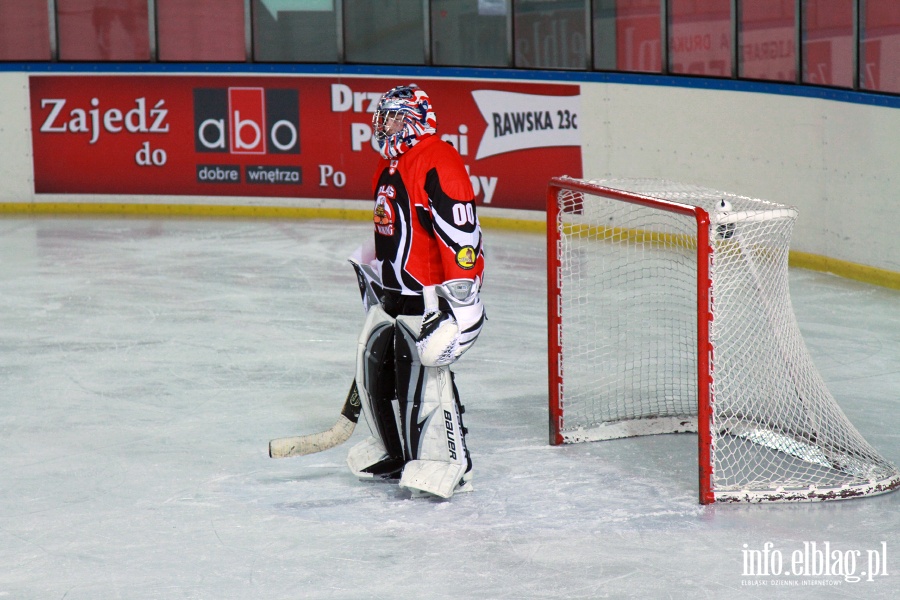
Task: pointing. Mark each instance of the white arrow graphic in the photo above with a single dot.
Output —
(518, 121)
(276, 6)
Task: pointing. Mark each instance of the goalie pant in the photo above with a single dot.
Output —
(413, 412)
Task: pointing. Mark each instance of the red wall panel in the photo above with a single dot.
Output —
(880, 46)
(201, 30)
(24, 30)
(94, 30)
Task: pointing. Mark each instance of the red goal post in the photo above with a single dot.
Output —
(669, 311)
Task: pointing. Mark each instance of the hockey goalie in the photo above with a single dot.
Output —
(420, 283)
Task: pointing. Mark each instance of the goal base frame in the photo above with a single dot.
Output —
(629, 428)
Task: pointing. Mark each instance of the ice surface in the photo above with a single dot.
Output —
(145, 364)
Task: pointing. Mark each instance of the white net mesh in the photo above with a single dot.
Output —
(628, 342)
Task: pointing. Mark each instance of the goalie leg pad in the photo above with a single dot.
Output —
(435, 437)
(382, 455)
(369, 460)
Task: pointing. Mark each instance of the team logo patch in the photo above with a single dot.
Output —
(384, 212)
(466, 257)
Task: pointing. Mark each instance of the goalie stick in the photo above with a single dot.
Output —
(339, 433)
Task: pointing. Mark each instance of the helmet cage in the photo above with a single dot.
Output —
(386, 123)
(395, 107)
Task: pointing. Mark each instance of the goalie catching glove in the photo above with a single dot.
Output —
(447, 333)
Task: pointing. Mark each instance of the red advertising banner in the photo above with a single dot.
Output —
(305, 137)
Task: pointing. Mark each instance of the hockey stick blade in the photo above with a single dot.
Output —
(339, 433)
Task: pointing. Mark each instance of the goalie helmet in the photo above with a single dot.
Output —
(403, 117)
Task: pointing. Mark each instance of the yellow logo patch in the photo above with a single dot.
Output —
(466, 257)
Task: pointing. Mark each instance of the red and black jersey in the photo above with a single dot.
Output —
(426, 229)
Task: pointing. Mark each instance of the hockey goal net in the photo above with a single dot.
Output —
(669, 311)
